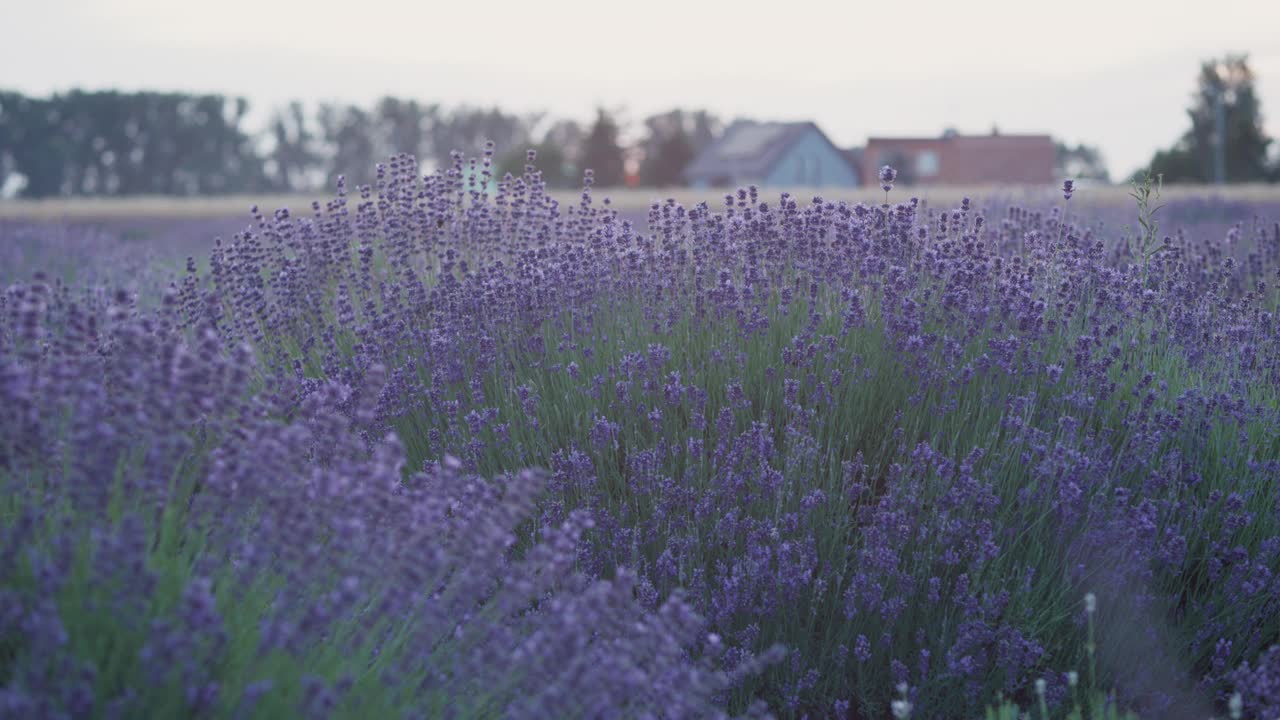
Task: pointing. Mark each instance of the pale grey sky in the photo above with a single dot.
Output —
(1115, 73)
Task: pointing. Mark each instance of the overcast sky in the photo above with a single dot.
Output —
(1115, 73)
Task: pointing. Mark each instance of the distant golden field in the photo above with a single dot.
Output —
(622, 198)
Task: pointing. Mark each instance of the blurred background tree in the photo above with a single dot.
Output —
(1082, 162)
(601, 151)
(1225, 93)
(115, 143)
(557, 172)
(295, 156)
(405, 126)
(568, 136)
(673, 139)
(466, 129)
(348, 133)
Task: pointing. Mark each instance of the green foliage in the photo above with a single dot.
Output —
(1177, 163)
(557, 171)
(348, 131)
(108, 143)
(1082, 162)
(114, 143)
(602, 153)
(1147, 196)
(148, 143)
(674, 139)
(668, 163)
(1231, 81)
(294, 153)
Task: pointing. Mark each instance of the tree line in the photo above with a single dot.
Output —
(84, 143)
(106, 143)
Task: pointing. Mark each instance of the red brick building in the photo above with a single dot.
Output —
(955, 159)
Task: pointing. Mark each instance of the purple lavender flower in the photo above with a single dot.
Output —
(887, 176)
(849, 413)
(1258, 686)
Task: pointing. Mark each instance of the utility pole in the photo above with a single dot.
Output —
(1220, 136)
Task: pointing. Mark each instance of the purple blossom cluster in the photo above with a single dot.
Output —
(183, 541)
(1259, 687)
(791, 454)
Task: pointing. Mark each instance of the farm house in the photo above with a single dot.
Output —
(772, 154)
(955, 159)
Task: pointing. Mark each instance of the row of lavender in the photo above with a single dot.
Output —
(901, 444)
(183, 536)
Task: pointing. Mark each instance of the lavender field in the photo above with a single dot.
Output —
(432, 450)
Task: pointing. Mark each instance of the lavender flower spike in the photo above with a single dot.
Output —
(887, 176)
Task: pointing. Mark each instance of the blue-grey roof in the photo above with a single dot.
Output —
(749, 150)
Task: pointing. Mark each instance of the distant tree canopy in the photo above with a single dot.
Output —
(295, 152)
(98, 143)
(348, 132)
(116, 143)
(602, 152)
(551, 161)
(1231, 82)
(1082, 162)
(673, 139)
(348, 140)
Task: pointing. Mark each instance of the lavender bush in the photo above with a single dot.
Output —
(182, 541)
(786, 456)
